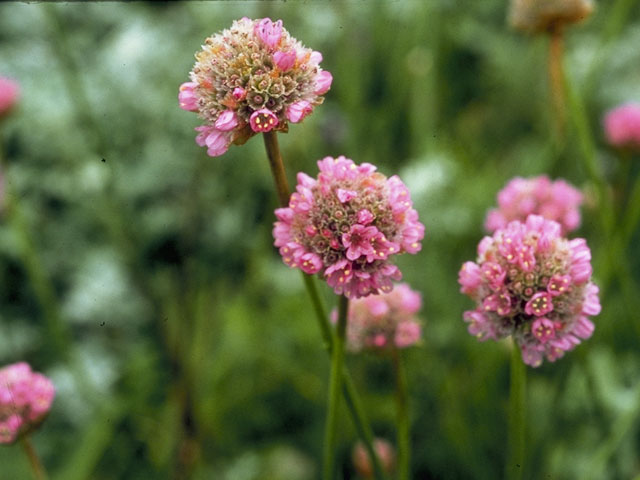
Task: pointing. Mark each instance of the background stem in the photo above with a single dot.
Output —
(556, 79)
(402, 417)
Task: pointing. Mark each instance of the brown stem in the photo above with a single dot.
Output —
(277, 167)
(556, 77)
(38, 470)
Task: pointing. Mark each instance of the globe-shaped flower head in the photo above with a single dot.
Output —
(522, 197)
(534, 16)
(381, 323)
(346, 225)
(25, 400)
(252, 78)
(533, 284)
(622, 126)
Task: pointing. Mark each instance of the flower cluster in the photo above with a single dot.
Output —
(346, 226)
(25, 399)
(9, 92)
(385, 321)
(252, 78)
(385, 452)
(622, 126)
(522, 197)
(533, 284)
(533, 16)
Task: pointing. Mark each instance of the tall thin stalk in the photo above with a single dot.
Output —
(335, 385)
(517, 417)
(556, 79)
(352, 399)
(39, 472)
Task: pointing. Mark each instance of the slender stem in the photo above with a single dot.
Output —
(335, 386)
(517, 404)
(402, 417)
(556, 78)
(38, 470)
(352, 399)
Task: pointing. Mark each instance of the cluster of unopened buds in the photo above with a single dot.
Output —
(249, 79)
(346, 225)
(25, 400)
(522, 197)
(533, 284)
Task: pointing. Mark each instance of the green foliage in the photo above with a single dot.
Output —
(171, 328)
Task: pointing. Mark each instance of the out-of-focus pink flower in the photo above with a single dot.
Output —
(323, 218)
(622, 126)
(362, 463)
(536, 16)
(298, 110)
(25, 400)
(323, 82)
(533, 284)
(284, 84)
(384, 322)
(522, 197)
(187, 98)
(9, 93)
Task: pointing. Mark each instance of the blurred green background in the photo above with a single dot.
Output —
(139, 274)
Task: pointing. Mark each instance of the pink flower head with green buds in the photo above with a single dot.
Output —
(522, 197)
(25, 400)
(384, 322)
(252, 78)
(346, 225)
(9, 93)
(531, 283)
(622, 126)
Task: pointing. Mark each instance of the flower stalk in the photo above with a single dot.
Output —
(556, 78)
(335, 385)
(39, 472)
(517, 404)
(352, 399)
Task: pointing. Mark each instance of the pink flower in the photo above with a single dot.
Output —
(25, 400)
(544, 308)
(622, 126)
(323, 82)
(324, 217)
(522, 197)
(187, 97)
(9, 93)
(362, 463)
(383, 322)
(298, 110)
(263, 120)
(226, 121)
(269, 32)
(217, 142)
(284, 60)
(281, 85)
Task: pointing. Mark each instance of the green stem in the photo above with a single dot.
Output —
(352, 398)
(402, 418)
(38, 470)
(556, 79)
(335, 386)
(517, 404)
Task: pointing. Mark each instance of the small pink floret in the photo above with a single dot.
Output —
(323, 82)
(284, 60)
(217, 142)
(263, 120)
(187, 97)
(239, 93)
(297, 111)
(269, 32)
(228, 120)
